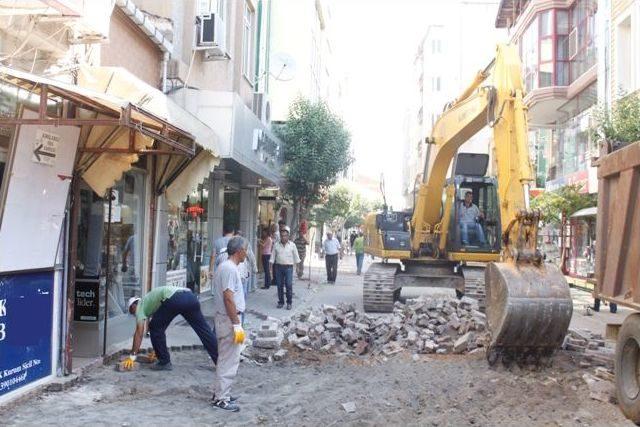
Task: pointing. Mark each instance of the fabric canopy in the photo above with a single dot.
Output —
(188, 180)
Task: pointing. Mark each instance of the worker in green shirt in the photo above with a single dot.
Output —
(162, 305)
(358, 248)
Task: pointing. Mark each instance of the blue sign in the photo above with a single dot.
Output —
(26, 316)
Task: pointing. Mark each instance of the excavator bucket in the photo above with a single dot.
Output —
(528, 309)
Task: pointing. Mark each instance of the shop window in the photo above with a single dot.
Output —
(188, 246)
(111, 240)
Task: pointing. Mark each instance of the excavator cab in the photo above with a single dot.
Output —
(471, 232)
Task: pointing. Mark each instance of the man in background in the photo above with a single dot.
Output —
(332, 249)
(284, 256)
(358, 248)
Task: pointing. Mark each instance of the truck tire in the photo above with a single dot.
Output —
(627, 367)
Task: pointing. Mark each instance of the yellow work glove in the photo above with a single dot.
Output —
(238, 334)
(128, 362)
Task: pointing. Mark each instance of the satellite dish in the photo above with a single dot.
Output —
(282, 67)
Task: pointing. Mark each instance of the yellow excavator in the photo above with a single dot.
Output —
(472, 232)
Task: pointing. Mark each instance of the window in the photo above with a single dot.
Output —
(436, 46)
(435, 84)
(247, 41)
(624, 61)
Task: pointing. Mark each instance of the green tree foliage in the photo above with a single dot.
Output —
(621, 125)
(567, 200)
(316, 152)
(343, 207)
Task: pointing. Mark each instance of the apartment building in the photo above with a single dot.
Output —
(459, 41)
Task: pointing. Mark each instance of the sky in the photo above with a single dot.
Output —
(375, 42)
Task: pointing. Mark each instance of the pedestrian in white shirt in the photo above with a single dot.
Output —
(228, 307)
(284, 256)
(332, 249)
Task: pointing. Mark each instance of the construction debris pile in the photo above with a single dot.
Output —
(588, 349)
(422, 325)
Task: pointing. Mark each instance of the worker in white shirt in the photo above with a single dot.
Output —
(332, 250)
(284, 256)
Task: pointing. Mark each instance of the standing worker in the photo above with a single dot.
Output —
(358, 248)
(162, 305)
(332, 250)
(284, 256)
(228, 307)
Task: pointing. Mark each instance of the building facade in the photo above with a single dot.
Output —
(153, 133)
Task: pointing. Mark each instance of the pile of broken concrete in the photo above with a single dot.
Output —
(423, 325)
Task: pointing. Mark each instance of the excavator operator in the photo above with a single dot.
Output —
(470, 217)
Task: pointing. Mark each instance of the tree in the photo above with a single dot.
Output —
(562, 203)
(621, 125)
(316, 151)
(343, 208)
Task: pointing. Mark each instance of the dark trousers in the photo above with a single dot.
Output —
(267, 270)
(331, 261)
(186, 304)
(284, 281)
(274, 275)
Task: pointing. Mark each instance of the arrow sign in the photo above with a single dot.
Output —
(45, 148)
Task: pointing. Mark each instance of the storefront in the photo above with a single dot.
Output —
(580, 260)
(82, 175)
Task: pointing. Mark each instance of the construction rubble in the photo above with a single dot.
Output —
(588, 349)
(423, 325)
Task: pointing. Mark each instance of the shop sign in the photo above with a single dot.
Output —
(87, 301)
(177, 278)
(26, 316)
(45, 147)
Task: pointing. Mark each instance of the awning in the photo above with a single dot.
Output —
(188, 180)
(586, 212)
(114, 131)
(118, 82)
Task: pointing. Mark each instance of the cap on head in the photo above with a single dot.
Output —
(285, 228)
(132, 301)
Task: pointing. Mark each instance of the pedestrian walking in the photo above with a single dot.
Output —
(228, 307)
(266, 244)
(276, 236)
(358, 248)
(301, 245)
(332, 250)
(284, 256)
(352, 239)
(162, 305)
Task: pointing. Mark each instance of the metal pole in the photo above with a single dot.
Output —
(108, 276)
(71, 278)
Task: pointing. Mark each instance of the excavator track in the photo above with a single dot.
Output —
(380, 291)
(474, 286)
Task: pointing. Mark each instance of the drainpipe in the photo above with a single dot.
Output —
(165, 66)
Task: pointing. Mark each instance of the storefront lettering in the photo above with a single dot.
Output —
(3, 313)
(85, 298)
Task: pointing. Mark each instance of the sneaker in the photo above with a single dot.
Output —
(232, 399)
(288, 306)
(162, 366)
(280, 305)
(227, 406)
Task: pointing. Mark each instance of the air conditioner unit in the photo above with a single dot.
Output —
(211, 36)
(573, 43)
(262, 107)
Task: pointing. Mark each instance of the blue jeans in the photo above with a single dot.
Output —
(186, 304)
(359, 261)
(267, 270)
(284, 280)
(464, 232)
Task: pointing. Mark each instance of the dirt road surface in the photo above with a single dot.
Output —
(433, 391)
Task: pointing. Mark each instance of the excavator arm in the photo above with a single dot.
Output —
(495, 99)
(528, 302)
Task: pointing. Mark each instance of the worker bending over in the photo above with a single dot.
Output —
(162, 305)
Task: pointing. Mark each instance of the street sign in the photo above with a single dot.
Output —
(45, 147)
